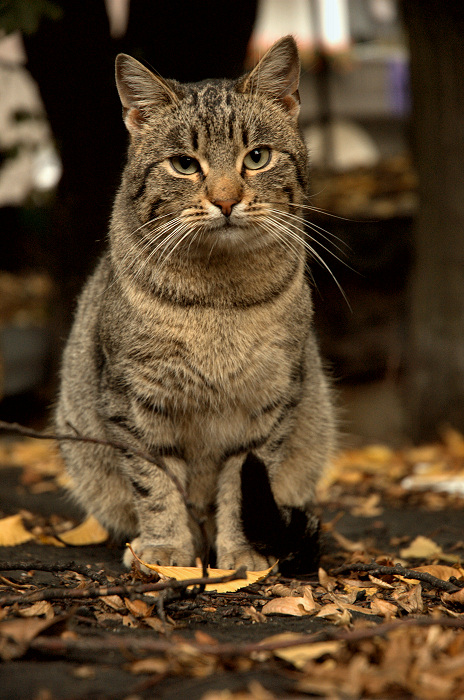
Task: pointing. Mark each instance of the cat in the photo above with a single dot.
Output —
(193, 338)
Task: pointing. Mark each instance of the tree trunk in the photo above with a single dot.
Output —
(435, 361)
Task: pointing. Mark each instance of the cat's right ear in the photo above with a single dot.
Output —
(140, 91)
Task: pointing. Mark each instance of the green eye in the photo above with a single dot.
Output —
(185, 165)
(257, 158)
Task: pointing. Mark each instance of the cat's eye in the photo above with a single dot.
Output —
(257, 158)
(185, 165)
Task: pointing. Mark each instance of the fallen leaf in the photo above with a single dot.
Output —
(378, 582)
(250, 613)
(411, 600)
(88, 532)
(441, 571)
(15, 635)
(42, 607)
(383, 607)
(13, 532)
(326, 581)
(48, 539)
(421, 548)
(113, 601)
(183, 573)
(291, 605)
(138, 608)
(334, 614)
(456, 597)
(299, 655)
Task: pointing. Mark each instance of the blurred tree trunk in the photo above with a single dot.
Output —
(435, 361)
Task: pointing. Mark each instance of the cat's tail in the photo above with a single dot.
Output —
(289, 534)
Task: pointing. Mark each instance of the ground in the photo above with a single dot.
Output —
(349, 632)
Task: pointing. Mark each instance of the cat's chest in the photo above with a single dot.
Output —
(215, 357)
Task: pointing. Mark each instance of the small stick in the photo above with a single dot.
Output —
(58, 593)
(423, 576)
(53, 568)
(60, 645)
(152, 458)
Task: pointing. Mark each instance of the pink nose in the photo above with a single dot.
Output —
(225, 205)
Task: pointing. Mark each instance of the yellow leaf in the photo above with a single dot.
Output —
(13, 532)
(299, 655)
(49, 539)
(88, 532)
(183, 573)
(421, 548)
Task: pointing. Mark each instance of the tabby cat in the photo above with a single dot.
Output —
(193, 339)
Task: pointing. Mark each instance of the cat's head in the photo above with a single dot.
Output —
(219, 164)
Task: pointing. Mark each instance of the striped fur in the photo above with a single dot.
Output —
(193, 337)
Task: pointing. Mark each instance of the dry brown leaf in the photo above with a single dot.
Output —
(183, 573)
(13, 532)
(250, 613)
(292, 605)
(378, 582)
(299, 655)
(138, 608)
(334, 614)
(411, 600)
(15, 635)
(42, 607)
(326, 581)
(113, 601)
(88, 532)
(383, 607)
(456, 597)
(441, 571)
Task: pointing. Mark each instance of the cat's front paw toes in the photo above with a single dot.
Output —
(245, 557)
(160, 555)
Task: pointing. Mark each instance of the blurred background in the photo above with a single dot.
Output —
(383, 115)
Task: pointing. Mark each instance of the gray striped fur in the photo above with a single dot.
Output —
(194, 336)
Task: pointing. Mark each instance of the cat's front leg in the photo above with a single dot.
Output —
(164, 536)
(233, 549)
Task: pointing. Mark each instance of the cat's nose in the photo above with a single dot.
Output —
(225, 205)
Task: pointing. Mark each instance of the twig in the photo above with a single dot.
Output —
(58, 593)
(60, 645)
(153, 458)
(399, 570)
(53, 568)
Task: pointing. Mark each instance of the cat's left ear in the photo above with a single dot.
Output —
(140, 91)
(277, 75)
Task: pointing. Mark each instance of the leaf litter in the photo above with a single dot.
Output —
(377, 634)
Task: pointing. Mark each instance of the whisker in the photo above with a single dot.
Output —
(291, 230)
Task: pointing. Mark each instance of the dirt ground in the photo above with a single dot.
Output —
(204, 645)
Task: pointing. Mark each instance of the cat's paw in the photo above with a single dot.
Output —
(161, 555)
(245, 557)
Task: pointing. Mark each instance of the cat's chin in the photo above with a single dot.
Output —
(234, 239)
